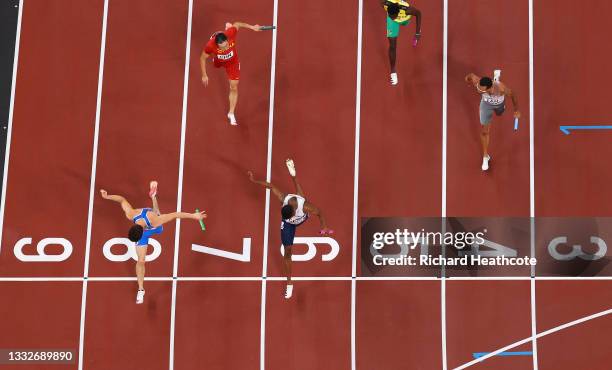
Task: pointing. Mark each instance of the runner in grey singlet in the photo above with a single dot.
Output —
(490, 103)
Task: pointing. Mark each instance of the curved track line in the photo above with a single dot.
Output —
(542, 334)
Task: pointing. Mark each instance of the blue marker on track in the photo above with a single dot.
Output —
(566, 129)
(480, 354)
(516, 124)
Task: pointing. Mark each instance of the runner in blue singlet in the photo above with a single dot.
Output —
(147, 222)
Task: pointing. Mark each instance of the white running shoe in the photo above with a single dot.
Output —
(485, 162)
(393, 79)
(140, 297)
(496, 75)
(289, 291)
(232, 119)
(290, 167)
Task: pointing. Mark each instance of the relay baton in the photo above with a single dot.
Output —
(267, 28)
(201, 222)
(516, 124)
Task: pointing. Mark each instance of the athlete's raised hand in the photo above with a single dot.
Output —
(470, 78)
(205, 80)
(256, 28)
(251, 177)
(104, 193)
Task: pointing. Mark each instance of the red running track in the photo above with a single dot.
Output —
(220, 312)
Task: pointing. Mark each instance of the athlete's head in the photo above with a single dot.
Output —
(485, 84)
(221, 40)
(135, 233)
(287, 212)
(393, 10)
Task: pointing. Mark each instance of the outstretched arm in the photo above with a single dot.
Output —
(155, 206)
(473, 80)
(240, 25)
(417, 13)
(279, 194)
(174, 215)
(509, 92)
(311, 208)
(125, 205)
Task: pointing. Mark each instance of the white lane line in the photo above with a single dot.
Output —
(264, 268)
(444, 153)
(534, 329)
(10, 120)
(353, 319)
(534, 343)
(356, 185)
(443, 321)
(179, 197)
(297, 278)
(92, 182)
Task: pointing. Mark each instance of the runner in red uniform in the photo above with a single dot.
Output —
(222, 48)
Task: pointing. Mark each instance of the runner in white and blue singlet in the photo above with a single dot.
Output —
(294, 211)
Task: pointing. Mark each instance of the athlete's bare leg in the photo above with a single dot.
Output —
(140, 266)
(484, 139)
(287, 263)
(287, 271)
(298, 187)
(392, 52)
(233, 95)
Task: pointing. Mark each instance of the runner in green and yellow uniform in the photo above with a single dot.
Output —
(399, 13)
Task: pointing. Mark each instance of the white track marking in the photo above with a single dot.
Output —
(357, 141)
(298, 278)
(534, 343)
(444, 153)
(443, 321)
(172, 324)
(353, 318)
(179, 196)
(40, 279)
(534, 329)
(10, 120)
(262, 326)
(542, 334)
(92, 182)
(130, 278)
(270, 137)
(82, 323)
(264, 268)
(356, 186)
